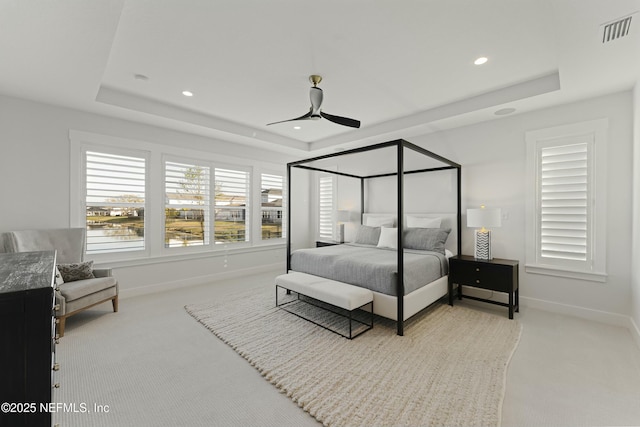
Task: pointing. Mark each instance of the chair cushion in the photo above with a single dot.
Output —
(80, 288)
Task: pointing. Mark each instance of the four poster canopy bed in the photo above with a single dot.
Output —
(406, 271)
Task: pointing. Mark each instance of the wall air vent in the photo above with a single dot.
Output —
(616, 29)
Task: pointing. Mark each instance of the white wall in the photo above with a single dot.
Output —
(34, 185)
(635, 253)
(302, 194)
(492, 155)
(432, 192)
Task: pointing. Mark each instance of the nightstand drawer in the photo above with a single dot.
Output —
(492, 277)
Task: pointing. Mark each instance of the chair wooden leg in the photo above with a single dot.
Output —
(61, 322)
(114, 302)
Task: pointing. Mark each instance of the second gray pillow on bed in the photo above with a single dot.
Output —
(367, 235)
(426, 239)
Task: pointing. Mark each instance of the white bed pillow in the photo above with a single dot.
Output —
(388, 238)
(419, 222)
(379, 221)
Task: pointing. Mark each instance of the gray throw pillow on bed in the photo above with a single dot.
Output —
(426, 239)
(367, 235)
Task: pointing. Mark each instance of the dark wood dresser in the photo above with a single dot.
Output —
(27, 333)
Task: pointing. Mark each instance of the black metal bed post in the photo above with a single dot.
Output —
(400, 278)
(288, 217)
(362, 201)
(459, 211)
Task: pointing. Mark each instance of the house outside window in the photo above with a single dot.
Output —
(187, 205)
(271, 206)
(115, 201)
(230, 205)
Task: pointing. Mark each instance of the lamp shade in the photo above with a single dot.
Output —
(344, 216)
(484, 217)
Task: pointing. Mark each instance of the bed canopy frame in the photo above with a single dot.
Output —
(400, 171)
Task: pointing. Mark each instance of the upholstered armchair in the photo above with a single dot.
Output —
(71, 296)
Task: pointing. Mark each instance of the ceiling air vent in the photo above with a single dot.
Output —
(616, 29)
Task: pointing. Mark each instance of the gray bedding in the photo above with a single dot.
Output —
(371, 267)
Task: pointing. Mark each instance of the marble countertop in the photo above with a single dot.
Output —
(22, 271)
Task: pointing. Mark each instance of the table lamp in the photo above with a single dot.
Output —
(483, 218)
(342, 217)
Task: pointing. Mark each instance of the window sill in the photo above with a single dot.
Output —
(570, 274)
(161, 259)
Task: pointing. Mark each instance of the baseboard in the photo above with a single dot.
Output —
(576, 311)
(200, 280)
(571, 310)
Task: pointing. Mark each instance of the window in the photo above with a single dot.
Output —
(115, 188)
(144, 201)
(566, 215)
(326, 207)
(231, 199)
(187, 205)
(567, 201)
(271, 206)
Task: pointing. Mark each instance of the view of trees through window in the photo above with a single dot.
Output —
(186, 205)
(230, 204)
(115, 202)
(271, 206)
(203, 204)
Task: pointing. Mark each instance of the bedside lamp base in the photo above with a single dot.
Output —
(483, 245)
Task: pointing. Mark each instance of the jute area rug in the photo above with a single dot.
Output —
(449, 369)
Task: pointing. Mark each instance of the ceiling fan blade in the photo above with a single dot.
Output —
(344, 121)
(305, 117)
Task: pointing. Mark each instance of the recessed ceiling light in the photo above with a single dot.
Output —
(297, 127)
(480, 60)
(187, 93)
(141, 77)
(504, 111)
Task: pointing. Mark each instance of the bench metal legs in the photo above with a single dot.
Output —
(330, 308)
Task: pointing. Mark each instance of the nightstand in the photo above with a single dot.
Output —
(500, 275)
(320, 243)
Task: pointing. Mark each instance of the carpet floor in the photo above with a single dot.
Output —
(449, 368)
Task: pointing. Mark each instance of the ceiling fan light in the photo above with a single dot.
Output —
(481, 60)
(187, 93)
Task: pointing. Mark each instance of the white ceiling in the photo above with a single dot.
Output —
(402, 68)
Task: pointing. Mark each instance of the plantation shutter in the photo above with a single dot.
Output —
(326, 208)
(231, 200)
(565, 202)
(187, 201)
(271, 206)
(115, 187)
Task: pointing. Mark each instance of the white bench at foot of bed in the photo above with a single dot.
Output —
(338, 294)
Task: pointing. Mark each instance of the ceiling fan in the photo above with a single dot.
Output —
(315, 113)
